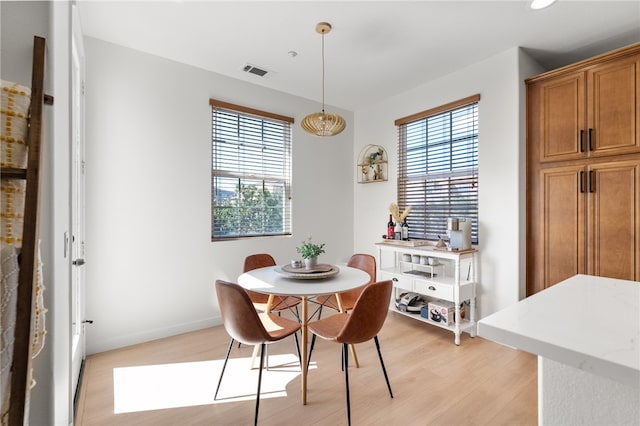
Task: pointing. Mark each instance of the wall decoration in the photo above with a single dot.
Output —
(372, 164)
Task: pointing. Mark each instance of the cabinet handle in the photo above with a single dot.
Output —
(432, 288)
(394, 279)
(591, 188)
(590, 139)
(581, 182)
(581, 137)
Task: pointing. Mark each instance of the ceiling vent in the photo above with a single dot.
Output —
(252, 69)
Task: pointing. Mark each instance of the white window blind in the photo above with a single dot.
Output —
(250, 172)
(438, 167)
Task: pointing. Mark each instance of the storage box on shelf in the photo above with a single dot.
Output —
(451, 277)
(442, 311)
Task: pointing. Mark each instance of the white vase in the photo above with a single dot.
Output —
(311, 262)
(398, 231)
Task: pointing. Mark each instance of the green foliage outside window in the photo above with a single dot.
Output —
(250, 211)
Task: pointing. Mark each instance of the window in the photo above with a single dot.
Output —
(438, 167)
(250, 172)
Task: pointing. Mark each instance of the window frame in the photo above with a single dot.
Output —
(429, 223)
(244, 171)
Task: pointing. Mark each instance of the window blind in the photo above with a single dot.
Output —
(250, 173)
(438, 168)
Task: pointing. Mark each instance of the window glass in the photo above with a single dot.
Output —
(250, 174)
(438, 168)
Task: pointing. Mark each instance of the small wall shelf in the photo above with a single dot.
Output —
(372, 164)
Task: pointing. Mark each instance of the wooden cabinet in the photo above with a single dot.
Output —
(562, 224)
(583, 170)
(590, 113)
(590, 220)
(613, 219)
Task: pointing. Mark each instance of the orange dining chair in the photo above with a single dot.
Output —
(280, 303)
(365, 262)
(361, 325)
(260, 300)
(244, 324)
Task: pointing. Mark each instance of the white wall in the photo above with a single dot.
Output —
(499, 81)
(151, 264)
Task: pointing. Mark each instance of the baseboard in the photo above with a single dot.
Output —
(146, 336)
(79, 385)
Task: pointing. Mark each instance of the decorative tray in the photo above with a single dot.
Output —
(455, 250)
(405, 243)
(322, 270)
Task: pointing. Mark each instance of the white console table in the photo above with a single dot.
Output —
(453, 278)
(586, 333)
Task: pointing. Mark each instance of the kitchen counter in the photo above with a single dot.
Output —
(586, 333)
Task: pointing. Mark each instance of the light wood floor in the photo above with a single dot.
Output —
(434, 382)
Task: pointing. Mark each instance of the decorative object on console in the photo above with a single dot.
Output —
(322, 123)
(402, 228)
(459, 230)
(390, 227)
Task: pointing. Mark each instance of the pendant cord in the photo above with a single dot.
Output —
(323, 31)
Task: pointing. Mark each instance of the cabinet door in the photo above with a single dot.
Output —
(562, 212)
(613, 107)
(562, 118)
(614, 220)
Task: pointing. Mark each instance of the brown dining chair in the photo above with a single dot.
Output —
(261, 300)
(280, 303)
(365, 262)
(362, 324)
(244, 324)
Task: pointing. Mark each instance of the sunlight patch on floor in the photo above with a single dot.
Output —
(155, 387)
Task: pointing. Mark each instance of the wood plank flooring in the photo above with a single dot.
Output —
(434, 382)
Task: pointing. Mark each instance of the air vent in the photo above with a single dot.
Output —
(252, 69)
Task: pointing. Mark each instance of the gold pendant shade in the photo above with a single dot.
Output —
(322, 123)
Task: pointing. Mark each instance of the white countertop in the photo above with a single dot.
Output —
(590, 323)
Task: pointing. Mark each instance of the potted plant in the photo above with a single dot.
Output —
(310, 252)
(376, 155)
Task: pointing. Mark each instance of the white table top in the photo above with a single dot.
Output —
(267, 280)
(590, 323)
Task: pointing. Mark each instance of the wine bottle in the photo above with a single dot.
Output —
(405, 230)
(390, 228)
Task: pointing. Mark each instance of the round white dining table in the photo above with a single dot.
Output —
(269, 281)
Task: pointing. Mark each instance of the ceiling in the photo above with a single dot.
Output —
(376, 49)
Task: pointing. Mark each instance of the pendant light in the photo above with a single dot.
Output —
(322, 123)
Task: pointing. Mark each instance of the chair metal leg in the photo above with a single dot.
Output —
(313, 339)
(295, 336)
(262, 353)
(384, 370)
(223, 367)
(345, 363)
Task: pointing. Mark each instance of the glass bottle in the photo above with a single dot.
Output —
(405, 230)
(390, 228)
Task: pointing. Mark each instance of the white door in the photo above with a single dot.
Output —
(77, 204)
